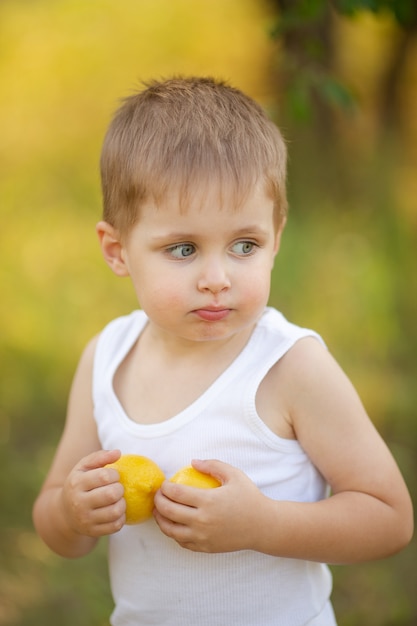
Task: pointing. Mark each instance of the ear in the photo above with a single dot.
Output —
(112, 248)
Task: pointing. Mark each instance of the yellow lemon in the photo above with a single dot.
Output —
(192, 477)
(141, 479)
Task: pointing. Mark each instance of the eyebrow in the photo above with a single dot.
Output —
(251, 230)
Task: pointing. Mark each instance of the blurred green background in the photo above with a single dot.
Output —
(343, 87)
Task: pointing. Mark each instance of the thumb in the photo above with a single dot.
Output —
(98, 459)
(220, 470)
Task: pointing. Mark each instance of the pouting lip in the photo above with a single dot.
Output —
(212, 314)
(213, 307)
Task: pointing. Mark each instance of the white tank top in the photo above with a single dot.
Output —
(153, 580)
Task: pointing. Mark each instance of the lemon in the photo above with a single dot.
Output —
(192, 477)
(141, 479)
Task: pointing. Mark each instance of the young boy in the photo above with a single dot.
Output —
(193, 177)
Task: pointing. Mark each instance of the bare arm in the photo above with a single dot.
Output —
(369, 514)
(80, 500)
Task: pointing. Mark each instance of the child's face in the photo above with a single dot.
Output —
(204, 273)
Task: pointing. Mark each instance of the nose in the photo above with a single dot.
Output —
(213, 276)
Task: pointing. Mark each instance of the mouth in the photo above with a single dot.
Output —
(212, 314)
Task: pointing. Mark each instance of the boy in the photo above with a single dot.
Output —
(193, 176)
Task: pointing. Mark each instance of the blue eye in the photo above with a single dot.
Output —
(181, 250)
(243, 247)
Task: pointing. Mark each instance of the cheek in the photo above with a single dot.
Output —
(256, 289)
(166, 295)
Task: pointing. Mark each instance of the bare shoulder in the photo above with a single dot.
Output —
(332, 424)
(308, 367)
(84, 371)
(303, 370)
(316, 391)
(79, 437)
(80, 403)
(309, 392)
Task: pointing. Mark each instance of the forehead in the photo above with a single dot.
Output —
(207, 213)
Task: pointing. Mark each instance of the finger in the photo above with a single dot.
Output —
(109, 514)
(106, 495)
(91, 472)
(218, 469)
(107, 524)
(98, 459)
(184, 495)
(170, 528)
(173, 511)
(186, 536)
(101, 511)
(95, 478)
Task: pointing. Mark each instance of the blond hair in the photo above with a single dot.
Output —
(181, 134)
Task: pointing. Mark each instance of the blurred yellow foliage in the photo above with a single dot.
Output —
(346, 269)
(64, 66)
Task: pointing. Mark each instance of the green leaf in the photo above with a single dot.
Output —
(336, 93)
(298, 97)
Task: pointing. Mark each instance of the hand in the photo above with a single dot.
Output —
(223, 519)
(92, 496)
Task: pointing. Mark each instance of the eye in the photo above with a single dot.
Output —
(243, 247)
(181, 250)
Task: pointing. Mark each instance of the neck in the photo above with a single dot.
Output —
(177, 349)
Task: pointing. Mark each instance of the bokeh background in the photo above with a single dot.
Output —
(342, 84)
